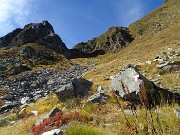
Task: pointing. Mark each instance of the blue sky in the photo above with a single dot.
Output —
(74, 20)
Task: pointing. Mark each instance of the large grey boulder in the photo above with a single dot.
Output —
(128, 84)
(65, 91)
(81, 86)
(78, 87)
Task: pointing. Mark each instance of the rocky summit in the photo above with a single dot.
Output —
(41, 33)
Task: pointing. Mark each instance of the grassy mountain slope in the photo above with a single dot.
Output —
(138, 51)
(159, 19)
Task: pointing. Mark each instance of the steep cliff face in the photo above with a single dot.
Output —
(111, 41)
(41, 33)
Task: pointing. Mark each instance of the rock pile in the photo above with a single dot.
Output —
(30, 86)
(99, 97)
(168, 61)
(12, 66)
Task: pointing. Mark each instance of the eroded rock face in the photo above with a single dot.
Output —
(41, 33)
(111, 41)
(128, 84)
(29, 53)
(4, 41)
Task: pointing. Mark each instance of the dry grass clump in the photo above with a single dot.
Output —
(44, 105)
(170, 80)
(77, 129)
(22, 127)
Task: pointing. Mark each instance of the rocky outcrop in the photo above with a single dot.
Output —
(111, 41)
(30, 53)
(41, 33)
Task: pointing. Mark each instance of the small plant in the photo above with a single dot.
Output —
(71, 103)
(53, 122)
(83, 130)
(89, 108)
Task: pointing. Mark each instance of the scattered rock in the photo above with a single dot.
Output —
(24, 100)
(9, 97)
(35, 112)
(177, 113)
(40, 83)
(101, 89)
(98, 98)
(148, 62)
(53, 132)
(7, 107)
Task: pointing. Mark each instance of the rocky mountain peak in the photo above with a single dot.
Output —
(44, 25)
(40, 33)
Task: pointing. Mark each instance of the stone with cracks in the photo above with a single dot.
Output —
(128, 83)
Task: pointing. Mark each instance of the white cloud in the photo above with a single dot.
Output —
(13, 14)
(130, 11)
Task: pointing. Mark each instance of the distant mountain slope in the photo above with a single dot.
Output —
(118, 37)
(161, 18)
(40, 33)
(111, 41)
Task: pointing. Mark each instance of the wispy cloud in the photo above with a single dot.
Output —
(14, 13)
(130, 11)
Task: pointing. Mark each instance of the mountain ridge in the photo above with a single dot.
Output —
(40, 33)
